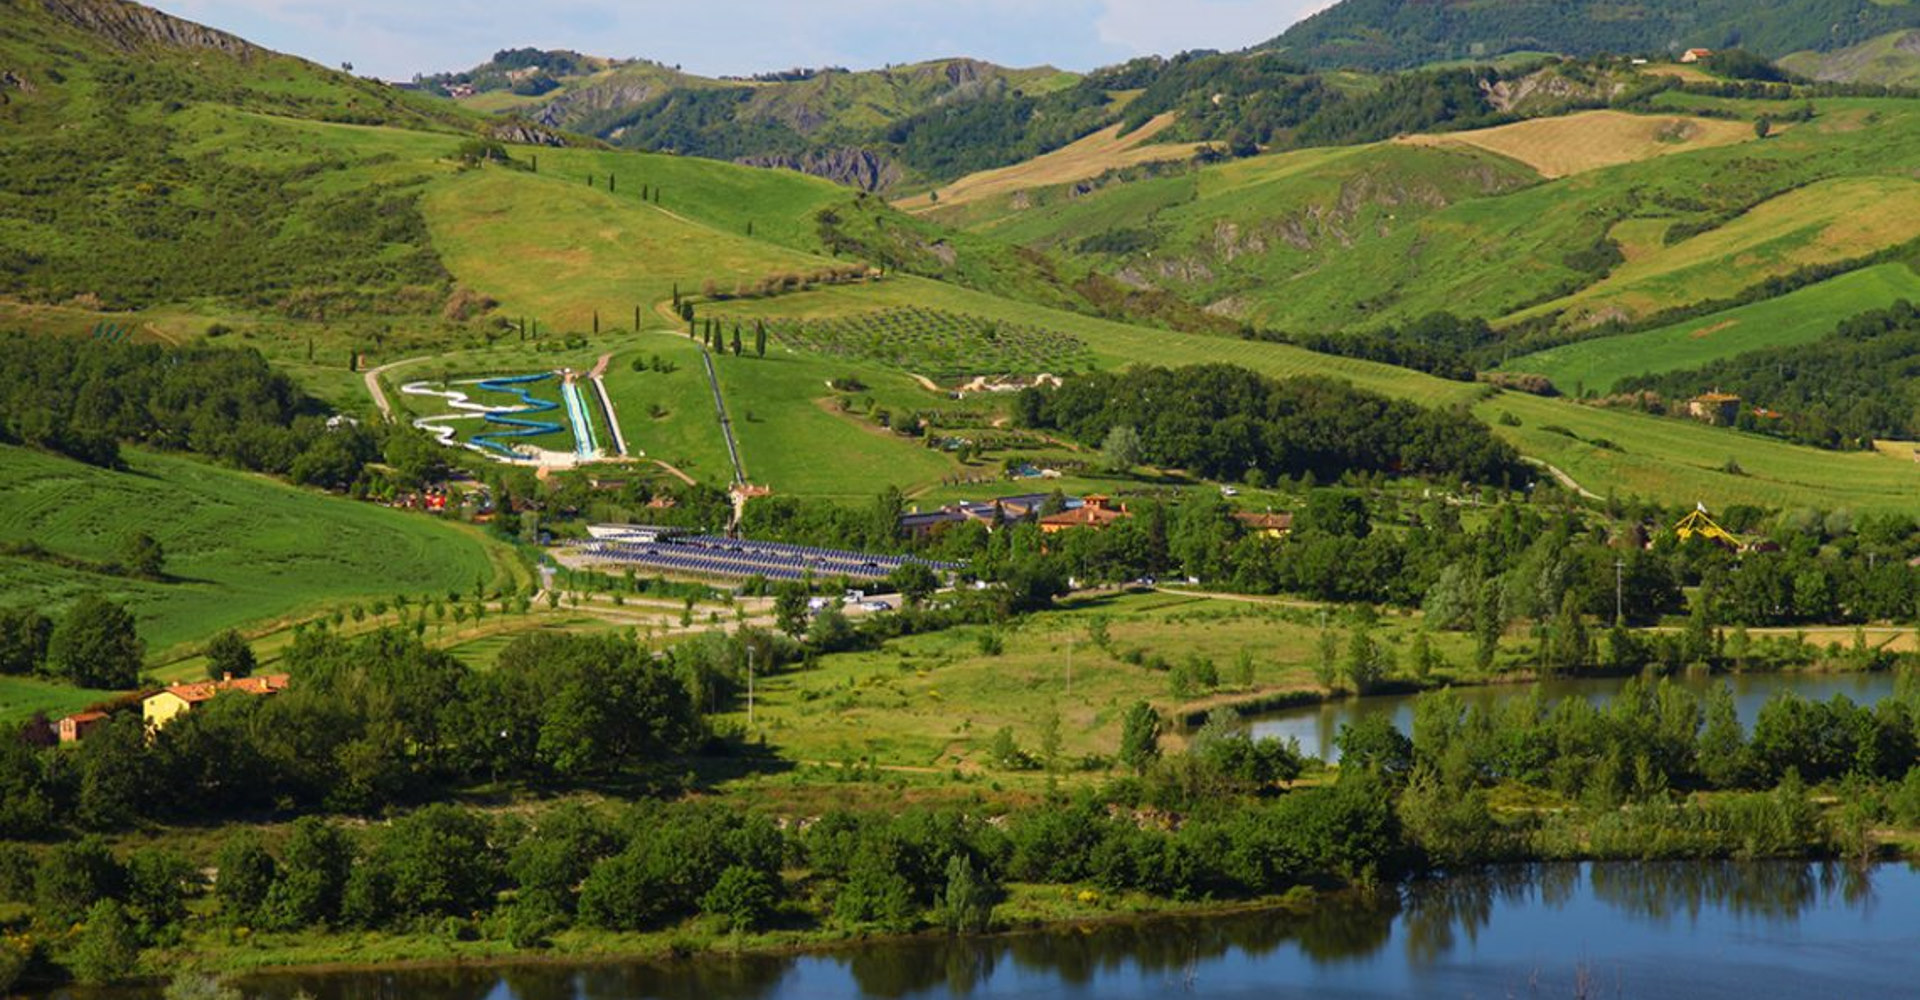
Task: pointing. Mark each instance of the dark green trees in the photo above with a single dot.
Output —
(96, 645)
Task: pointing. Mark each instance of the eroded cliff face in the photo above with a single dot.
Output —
(857, 168)
(130, 27)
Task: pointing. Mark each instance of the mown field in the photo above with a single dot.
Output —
(1796, 318)
(1082, 160)
(241, 549)
(1680, 462)
(935, 701)
(1575, 144)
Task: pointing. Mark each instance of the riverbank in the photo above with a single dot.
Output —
(1027, 909)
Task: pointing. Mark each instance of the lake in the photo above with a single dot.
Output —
(1670, 930)
(1316, 726)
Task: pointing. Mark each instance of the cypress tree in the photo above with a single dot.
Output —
(643, 192)
(760, 338)
(736, 340)
(749, 227)
(636, 319)
(536, 163)
(676, 295)
(611, 181)
(689, 329)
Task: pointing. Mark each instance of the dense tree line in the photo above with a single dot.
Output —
(1842, 391)
(84, 397)
(369, 723)
(1439, 344)
(1623, 780)
(1390, 34)
(1220, 422)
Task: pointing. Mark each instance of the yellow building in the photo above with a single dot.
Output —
(161, 708)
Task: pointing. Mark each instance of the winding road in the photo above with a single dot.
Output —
(378, 393)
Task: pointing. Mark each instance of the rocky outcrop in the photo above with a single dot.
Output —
(563, 111)
(130, 27)
(856, 168)
(525, 134)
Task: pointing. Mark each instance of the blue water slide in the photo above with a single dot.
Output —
(522, 427)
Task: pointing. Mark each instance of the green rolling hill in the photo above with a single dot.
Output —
(394, 232)
(1395, 34)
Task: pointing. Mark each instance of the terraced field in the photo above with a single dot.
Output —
(935, 343)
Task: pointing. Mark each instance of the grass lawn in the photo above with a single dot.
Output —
(241, 549)
(1797, 318)
(935, 701)
(22, 697)
(1680, 462)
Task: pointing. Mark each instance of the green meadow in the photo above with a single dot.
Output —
(242, 550)
(1796, 318)
(1680, 462)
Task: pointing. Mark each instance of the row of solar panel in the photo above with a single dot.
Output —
(732, 564)
(808, 551)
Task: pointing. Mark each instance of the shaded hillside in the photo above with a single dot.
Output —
(1394, 34)
(1891, 60)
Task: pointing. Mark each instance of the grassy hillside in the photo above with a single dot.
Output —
(1799, 317)
(1648, 212)
(241, 549)
(1679, 461)
(1574, 144)
(1891, 60)
(1097, 154)
(1385, 34)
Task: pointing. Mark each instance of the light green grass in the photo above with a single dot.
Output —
(1797, 318)
(23, 697)
(1681, 462)
(936, 700)
(242, 549)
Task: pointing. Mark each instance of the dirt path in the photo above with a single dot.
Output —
(925, 382)
(378, 393)
(676, 473)
(1563, 479)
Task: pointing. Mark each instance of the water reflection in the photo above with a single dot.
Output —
(1315, 726)
(1666, 929)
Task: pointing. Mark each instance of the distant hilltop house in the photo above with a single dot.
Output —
(1095, 511)
(1692, 56)
(161, 708)
(1717, 408)
(1270, 525)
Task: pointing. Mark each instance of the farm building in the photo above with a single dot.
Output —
(78, 726)
(1026, 506)
(1096, 512)
(160, 709)
(1717, 408)
(1692, 56)
(1270, 525)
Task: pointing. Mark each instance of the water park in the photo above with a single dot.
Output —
(519, 422)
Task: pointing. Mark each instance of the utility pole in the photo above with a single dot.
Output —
(1619, 578)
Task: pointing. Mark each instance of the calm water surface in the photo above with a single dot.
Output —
(1694, 930)
(1315, 726)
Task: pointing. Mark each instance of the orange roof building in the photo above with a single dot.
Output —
(161, 708)
(1096, 513)
(76, 727)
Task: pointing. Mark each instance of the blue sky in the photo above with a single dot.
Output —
(396, 39)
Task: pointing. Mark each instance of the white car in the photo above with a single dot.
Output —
(1228, 491)
(875, 606)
